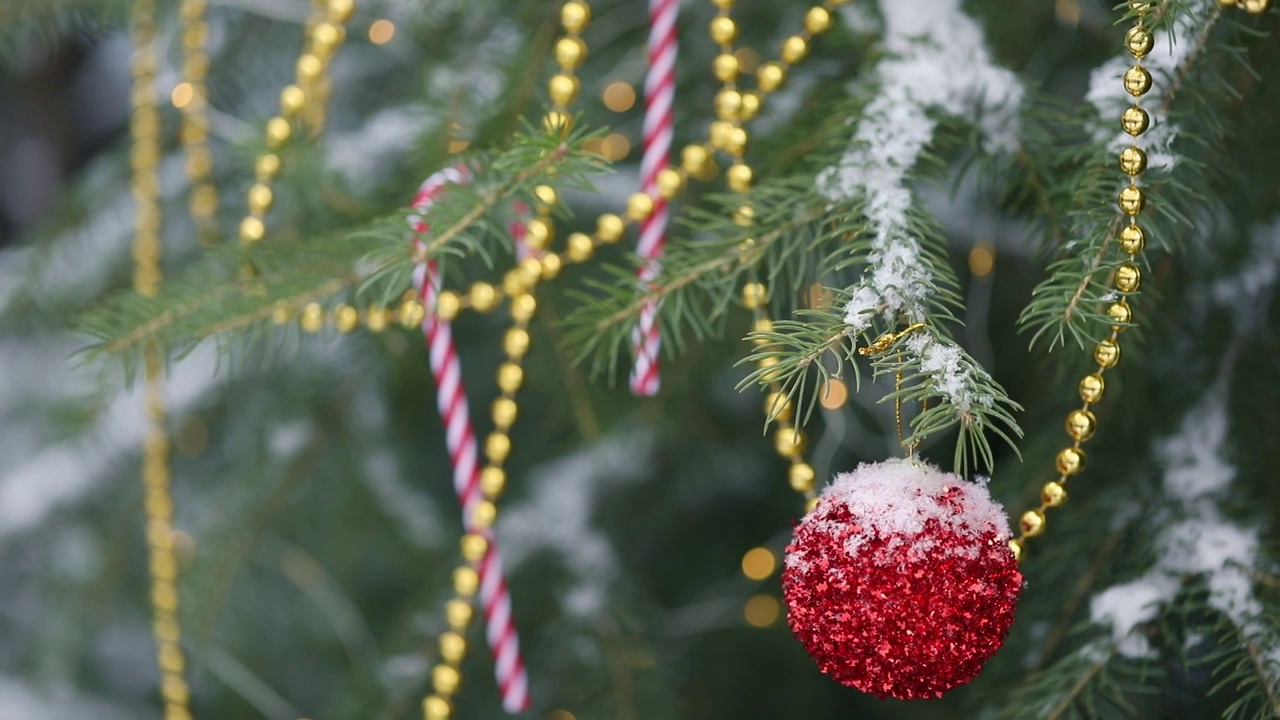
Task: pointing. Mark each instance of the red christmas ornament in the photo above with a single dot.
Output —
(900, 582)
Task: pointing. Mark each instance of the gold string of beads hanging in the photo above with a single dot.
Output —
(323, 40)
(156, 480)
(192, 98)
(733, 107)
(1081, 424)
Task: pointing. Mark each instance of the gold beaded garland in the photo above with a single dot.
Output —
(156, 478)
(1081, 424)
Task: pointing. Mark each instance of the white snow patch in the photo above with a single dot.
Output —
(896, 498)
(1123, 607)
(18, 699)
(1107, 94)
(557, 513)
(61, 473)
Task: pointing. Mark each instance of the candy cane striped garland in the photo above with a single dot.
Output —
(460, 440)
(659, 93)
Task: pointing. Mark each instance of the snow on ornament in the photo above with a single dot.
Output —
(900, 582)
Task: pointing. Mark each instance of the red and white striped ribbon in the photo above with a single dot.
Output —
(659, 102)
(460, 440)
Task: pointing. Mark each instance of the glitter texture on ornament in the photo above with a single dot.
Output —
(900, 583)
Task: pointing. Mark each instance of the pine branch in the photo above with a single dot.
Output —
(372, 263)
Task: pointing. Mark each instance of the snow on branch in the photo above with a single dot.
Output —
(938, 63)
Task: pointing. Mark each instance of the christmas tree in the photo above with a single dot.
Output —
(598, 360)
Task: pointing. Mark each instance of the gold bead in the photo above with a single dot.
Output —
(375, 318)
(1133, 161)
(725, 67)
(1070, 461)
(750, 105)
(484, 297)
(551, 265)
(267, 166)
(724, 30)
(789, 442)
(1131, 200)
(765, 363)
(465, 581)
(794, 49)
(278, 132)
(670, 183)
(571, 52)
(718, 133)
(493, 480)
(474, 546)
(1137, 81)
(723, 4)
(497, 447)
(539, 233)
(1135, 120)
(513, 282)
(754, 295)
(504, 412)
(1032, 523)
(546, 195)
(309, 68)
(801, 476)
(436, 708)
(739, 177)
(1255, 7)
(448, 304)
(1081, 425)
(1132, 239)
(763, 325)
(728, 104)
(556, 122)
(563, 89)
(1092, 387)
(260, 198)
(579, 247)
(292, 100)
(1053, 494)
(810, 504)
(574, 16)
(744, 216)
(777, 406)
(410, 313)
(1128, 278)
(453, 647)
(769, 76)
(1138, 41)
(639, 206)
(522, 307)
(341, 10)
(445, 679)
(199, 161)
(515, 343)
(457, 613)
(1121, 314)
(251, 230)
(1016, 547)
(609, 228)
(530, 272)
(735, 141)
(312, 318)
(1107, 354)
(483, 514)
(817, 20)
(695, 160)
(345, 318)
